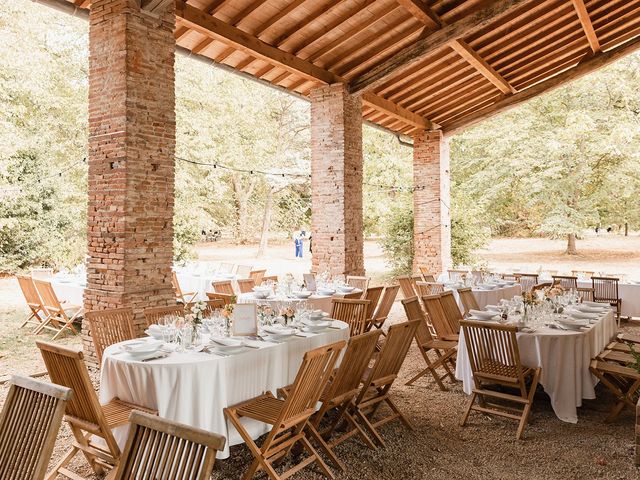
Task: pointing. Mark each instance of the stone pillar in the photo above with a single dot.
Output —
(431, 200)
(131, 159)
(336, 181)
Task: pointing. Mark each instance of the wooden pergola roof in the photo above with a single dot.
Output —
(418, 64)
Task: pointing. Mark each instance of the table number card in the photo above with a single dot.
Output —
(245, 319)
(310, 281)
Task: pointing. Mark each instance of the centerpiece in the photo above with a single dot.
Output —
(288, 313)
(227, 315)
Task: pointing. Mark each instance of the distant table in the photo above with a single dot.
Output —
(68, 289)
(630, 295)
(200, 283)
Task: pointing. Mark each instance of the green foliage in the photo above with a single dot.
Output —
(636, 357)
(397, 238)
(468, 231)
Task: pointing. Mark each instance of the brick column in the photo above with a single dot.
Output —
(131, 159)
(336, 184)
(432, 224)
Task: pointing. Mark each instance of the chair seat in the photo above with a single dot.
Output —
(440, 344)
(117, 412)
(492, 370)
(265, 408)
(450, 337)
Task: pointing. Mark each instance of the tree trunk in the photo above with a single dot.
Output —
(266, 224)
(626, 229)
(571, 244)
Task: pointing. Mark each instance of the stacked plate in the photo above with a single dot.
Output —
(279, 332)
(226, 345)
(142, 349)
(302, 294)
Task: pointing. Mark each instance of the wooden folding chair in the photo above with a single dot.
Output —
(38, 314)
(156, 314)
(610, 367)
(288, 417)
(246, 285)
(445, 351)
(429, 288)
(566, 282)
(110, 326)
(184, 297)
(427, 276)
(29, 424)
(227, 299)
(468, 300)
(586, 273)
(358, 282)
(212, 306)
(158, 448)
(257, 276)
(372, 294)
(605, 290)
(351, 311)
(512, 277)
(406, 286)
(527, 281)
(223, 286)
(243, 271)
(84, 414)
(378, 381)
(438, 319)
(384, 308)
(270, 278)
(59, 318)
(451, 310)
(337, 396)
(495, 359)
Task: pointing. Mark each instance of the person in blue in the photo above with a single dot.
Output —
(297, 241)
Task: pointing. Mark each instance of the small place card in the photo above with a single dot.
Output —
(245, 320)
(310, 281)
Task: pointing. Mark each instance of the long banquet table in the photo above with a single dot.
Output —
(564, 356)
(489, 297)
(195, 387)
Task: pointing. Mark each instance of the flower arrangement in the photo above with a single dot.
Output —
(288, 313)
(529, 299)
(554, 291)
(265, 312)
(227, 311)
(197, 313)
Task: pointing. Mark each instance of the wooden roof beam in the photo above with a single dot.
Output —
(406, 57)
(589, 63)
(396, 111)
(477, 62)
(422, 12)
(587, 26)
(236, 38)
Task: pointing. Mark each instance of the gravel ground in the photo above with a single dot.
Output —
(439, 448)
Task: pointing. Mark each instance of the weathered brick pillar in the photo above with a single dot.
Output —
(131, 158)
(336, 183)
(431, 199)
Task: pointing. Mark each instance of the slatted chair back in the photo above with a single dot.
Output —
(49, 298)
(243, 271)
(351, 311)
(493, 352)
(456, 275)
(437, 316)
(270, 278)
(176, 287)
(227, 299)
(246, 285)
(223, 286)
(156, 315)
(110, 326)
(358, 282)
(29, 423)
(451, 310)
(468, 300)
(372, 294)
(429, 288)
(66, 367)
(427, 276)
(226, 267)
(605, 289)
(257, 276)
(406, 286)
(512, 277)
(566, 282)
(57, 318)
(528, 280)
(414, 312)
(160, 448)
(585, 273)
(311, 379)
(384, 307)
(212, 306)
(33, 300)
(41, 273)
(357, 295)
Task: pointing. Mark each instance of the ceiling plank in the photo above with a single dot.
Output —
(236, 38)
(477, 62)
(422, 12)
(589, 64)
(587, 26)
(396, 111)
(477, 20)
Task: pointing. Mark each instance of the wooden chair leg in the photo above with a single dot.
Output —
(527, 407)
(314, 454)
(468, 411)
(325, 447)
(369, 427)
(398, 413)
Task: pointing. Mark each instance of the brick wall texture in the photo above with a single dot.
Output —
(131, 159)
(432, 223)
(336, 184)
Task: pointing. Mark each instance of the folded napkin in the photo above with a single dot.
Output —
(277, 330)
(583, 315)
(227, 342)
(590, 309)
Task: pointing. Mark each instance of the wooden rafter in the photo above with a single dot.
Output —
(396, 111)
(589, 64)
(471, 23)
(238, 39)
(477, 62)
(587, 26)
(154, 5)
(422, 12)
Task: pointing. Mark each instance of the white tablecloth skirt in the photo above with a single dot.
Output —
(630, 295)
(195, 387)
(564, 357)
(319, 302)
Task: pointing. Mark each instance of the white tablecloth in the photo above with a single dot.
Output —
(195, 387)
(564, 357)
(630, 295)
(319, 302)
(489, 297)
(70, 291)
(199, 283)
